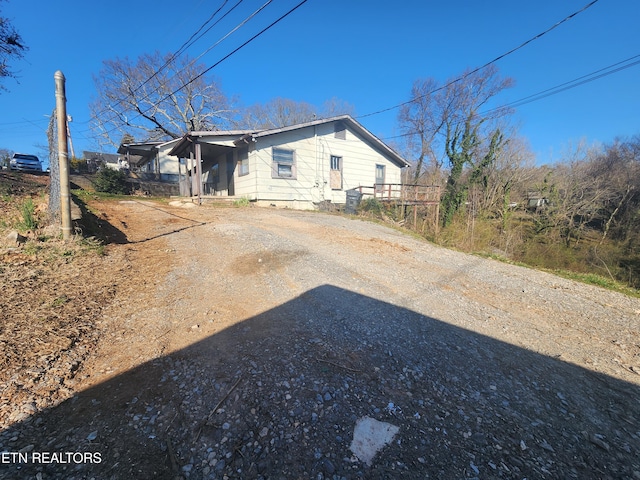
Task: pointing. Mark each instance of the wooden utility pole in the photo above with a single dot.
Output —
(63, 155)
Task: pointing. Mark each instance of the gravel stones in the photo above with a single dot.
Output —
(347, 327)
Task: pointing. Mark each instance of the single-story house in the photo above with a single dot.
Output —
(300, 166)
(97, 160)
(151, 160)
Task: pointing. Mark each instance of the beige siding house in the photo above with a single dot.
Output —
(300, 166)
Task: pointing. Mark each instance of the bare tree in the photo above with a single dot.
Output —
(472, 139)
(11, 48)
(421, 121)
(619, 164)
(506, 179)
(5, 156)
(156, 98)
(282, 112)
(575, 194)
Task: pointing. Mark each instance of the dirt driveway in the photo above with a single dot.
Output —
(250, 343)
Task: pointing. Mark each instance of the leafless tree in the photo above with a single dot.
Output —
(156, 98)
(506, 179)
(441, 116)
(5, 156)
(619, 165)
(472, 138)
(575, 195)
(421, 121)
(282, 112)
(12, 48)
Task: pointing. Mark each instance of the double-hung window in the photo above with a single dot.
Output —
(243, 161)
(284, 163)
(379, 178)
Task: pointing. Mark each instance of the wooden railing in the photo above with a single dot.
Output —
(402, 193)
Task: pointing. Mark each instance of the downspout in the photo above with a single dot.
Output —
(255, 173)
(315, 140)
(191, 172)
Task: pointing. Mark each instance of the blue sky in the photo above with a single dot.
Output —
(365, 52)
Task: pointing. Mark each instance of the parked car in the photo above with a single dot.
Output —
(25, 163)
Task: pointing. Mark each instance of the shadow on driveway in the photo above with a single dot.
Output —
(278, 396)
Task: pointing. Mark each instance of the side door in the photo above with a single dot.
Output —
(335, 175)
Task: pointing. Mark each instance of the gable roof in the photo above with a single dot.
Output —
(99, 156)
(181, 147)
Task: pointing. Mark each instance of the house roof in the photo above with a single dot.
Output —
(105, 157)
(140, 153)
(215, 137)
(355, 125)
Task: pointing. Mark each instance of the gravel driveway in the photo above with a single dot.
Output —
(255, 341)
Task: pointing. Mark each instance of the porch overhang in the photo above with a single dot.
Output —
(215, 139)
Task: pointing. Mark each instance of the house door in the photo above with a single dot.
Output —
(230, 168)
(336, 173)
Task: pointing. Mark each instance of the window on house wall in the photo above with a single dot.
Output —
(340, 130)
(284, 163)
(379, 177)
(335, 172)
(243, 161)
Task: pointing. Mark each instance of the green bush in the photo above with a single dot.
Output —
(27, 212)
(371, 205)
(112, 181)
(78, 165)
(241, 202)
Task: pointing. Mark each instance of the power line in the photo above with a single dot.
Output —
(191, 41)
(271, 25)
(176, 54)
(237, 27)
(236, 50)
(500, 57)
(576, 82)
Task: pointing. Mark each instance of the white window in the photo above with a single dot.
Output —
(379, 178)
(243, 161)
(284, 163)
(379, 174)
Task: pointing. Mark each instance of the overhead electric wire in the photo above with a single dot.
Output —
(271, 25)
(499, 57)
(576, 82)
(148, 95)
(237, 27)
(188, 43)
(177, 53)
(244, 44)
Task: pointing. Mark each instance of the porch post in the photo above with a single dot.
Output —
(191, 178)
(199, 163)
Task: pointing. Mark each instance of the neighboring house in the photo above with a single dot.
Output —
(536, 201)
(151, 160)
(97, 160)
(299, 166)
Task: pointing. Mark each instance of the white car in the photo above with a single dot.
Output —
(25, 163)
